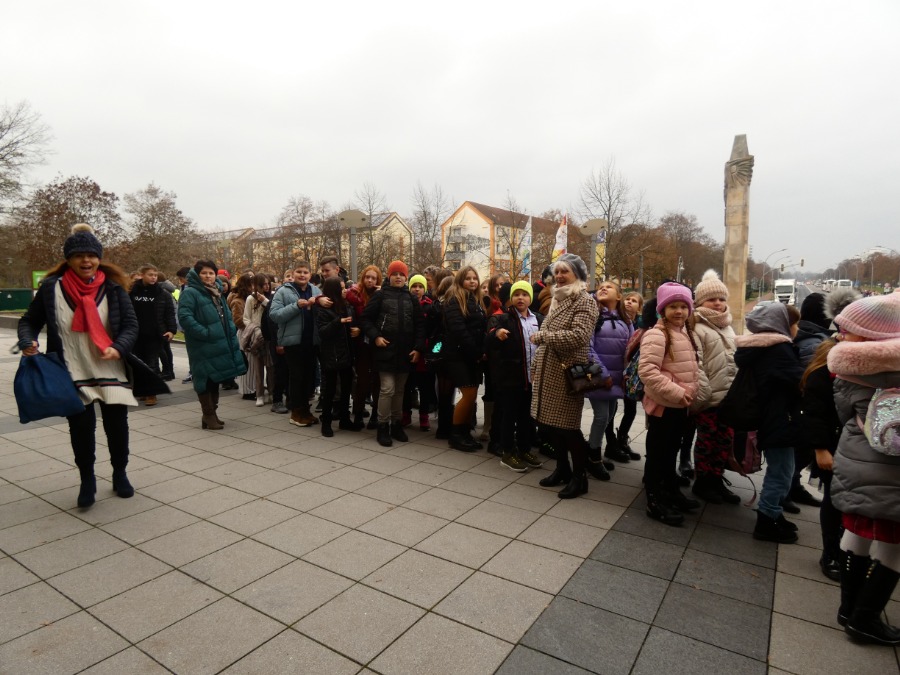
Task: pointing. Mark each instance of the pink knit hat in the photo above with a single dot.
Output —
(876, 317)
(671, 292)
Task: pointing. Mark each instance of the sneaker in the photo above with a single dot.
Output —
(188, 379)
(299, 419)
(513, 463)
(799, 495)
(260, 401)
(168, 377)
(530, 460)
(547, 450)
(280, 408)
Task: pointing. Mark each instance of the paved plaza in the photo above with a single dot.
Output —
(265, 548)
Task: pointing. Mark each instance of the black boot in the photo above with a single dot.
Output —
(853, 576)
(727, 495)
(325, 419)
(800, 495)
(397, 432)
(865, 624)
(562, 474)
(577, 485)
(346, 424)
(622, 442)
(659, 509)
(383, 436)
(121, 485)
(359, 422)
(615, 453)
(373, 421)
(461, 440)
(88, 488)
(769, 529)
(706, 488)
(680, 501)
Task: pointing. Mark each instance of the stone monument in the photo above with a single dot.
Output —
(738, 173)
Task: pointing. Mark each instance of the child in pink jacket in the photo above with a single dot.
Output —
(669, 370)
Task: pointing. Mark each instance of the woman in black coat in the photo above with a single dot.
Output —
(465, 325)
(336, 331)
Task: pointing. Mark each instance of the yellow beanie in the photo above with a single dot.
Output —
(418, 279)
(522, 286)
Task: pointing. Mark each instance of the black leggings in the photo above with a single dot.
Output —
(329, 385)
(629, 412)
(664, 437)
(83, 431)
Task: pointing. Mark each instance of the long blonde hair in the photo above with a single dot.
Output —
(458, 291)
(819, 359)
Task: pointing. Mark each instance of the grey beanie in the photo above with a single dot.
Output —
(575, 263)
(82, 240)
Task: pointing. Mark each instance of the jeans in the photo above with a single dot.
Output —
(390, 397)
(777, 481)
(604, 410)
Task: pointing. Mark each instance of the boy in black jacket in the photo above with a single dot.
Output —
(155, 310)
(510, 353)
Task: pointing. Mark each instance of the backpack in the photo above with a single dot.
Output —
(882, 426)
(745, 458)
(741, 409)
(634, 388)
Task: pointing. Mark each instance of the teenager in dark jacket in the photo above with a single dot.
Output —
(769, 351)
(393, 323)
(510, 355)
(366, 385)
(155, 311)
(336, 332)
(421, 375)
(465, 324)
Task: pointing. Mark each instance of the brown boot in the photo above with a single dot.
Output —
(209, 420)
(150, 400)
(302, 418)
(215, 399)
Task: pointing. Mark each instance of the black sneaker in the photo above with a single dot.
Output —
(799, 495)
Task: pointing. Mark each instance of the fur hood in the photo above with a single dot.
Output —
(760, 339)
(837, 301)
(865, 358)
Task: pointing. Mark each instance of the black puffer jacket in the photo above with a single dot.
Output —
(464, 335)
(820, 422)
(506, 358)
(395, 315)
(163, 305)
(335, 349)
(809, 337)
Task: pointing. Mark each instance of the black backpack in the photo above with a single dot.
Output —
(741, 409)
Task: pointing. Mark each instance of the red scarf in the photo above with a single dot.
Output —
(87, 318)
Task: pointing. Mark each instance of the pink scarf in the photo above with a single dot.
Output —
(87, 318)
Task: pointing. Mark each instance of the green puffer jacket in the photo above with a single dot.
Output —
(209, 334)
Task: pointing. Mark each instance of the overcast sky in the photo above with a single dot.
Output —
(238, 106)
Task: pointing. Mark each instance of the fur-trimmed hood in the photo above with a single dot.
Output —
(760, 339)
(865, 358)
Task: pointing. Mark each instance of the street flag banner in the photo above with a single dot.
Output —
(525, 248)
(562, 238)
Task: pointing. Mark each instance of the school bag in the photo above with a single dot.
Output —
(634, 388)
(741, 409)
(882, 426)
(745, 459)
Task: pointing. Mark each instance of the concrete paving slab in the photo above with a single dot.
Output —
(253, 517)
(212, 502)
(525, 661)
(675, 654)
(301, 534)
(31, 608)
(393, 490)
(418, 578)
(235, 566)
(814, 601)
(290, 652)
(463, 545)
(498, 518)
(616, 589)
(533, 566)
(636, 522)
(354, 554)
(14, 576)
(41, 531)
(735, 545)
(443, 503)
(190, 543)
(656, 558)
(149, 524)
(731, 578)
(351, 510)
(404, 526)
(562, 535)
(131, 660)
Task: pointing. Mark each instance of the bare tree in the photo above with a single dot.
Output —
(159, 232)
(430, 209)
(23, 142)
(509, 238)
(371, 201)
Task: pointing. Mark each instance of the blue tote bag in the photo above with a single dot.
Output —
(43, 388)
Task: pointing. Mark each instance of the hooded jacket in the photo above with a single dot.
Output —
(290, 319)
(715, 347)
(777, 370)
(809, 337)
(209, 334)
(866, 482)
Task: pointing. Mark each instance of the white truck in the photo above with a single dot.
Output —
(786, 291)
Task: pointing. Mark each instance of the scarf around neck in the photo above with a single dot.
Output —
(84, 296)
(720, 320)
(560, 293)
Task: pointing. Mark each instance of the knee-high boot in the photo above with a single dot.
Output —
(853, 576)
(562, 474)
(865, 623)
(578, 484)
(209, 419)
(215, 400)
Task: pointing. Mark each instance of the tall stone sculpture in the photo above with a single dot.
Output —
(738, 173)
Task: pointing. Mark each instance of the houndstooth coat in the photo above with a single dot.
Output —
(563, 340)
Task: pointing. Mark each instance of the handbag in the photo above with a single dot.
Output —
(44, 388)
(583, 377)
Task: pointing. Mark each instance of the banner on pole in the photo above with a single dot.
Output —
(562, 238)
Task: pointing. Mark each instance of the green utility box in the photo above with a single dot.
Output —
(12, 299)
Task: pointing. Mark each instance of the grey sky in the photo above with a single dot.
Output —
(237, 106)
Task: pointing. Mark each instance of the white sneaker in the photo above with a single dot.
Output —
(260, 401)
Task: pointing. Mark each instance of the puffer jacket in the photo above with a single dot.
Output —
(209, 334)
(818, 415)
(607, 348)
(464, 335)
(667, 376)
(715, 348)
(283, 310)
(335, 350)
(809, 337)
(866, 482)
(394, 314)
(562, 340)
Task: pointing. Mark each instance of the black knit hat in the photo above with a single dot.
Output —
(82, 240)
(503, 293)
(813, 310)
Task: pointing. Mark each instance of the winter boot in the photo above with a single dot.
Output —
(88, 487)
(561, 474)
(215, 399)
(373, 420)
(706, 488)
(327, 431)
(865, 624)
(460, 439)
(424, 424)
(578, 485)
(359, 421)
(121, 485)
(595, 464)
(677, 499)
(383, 435)
(798, 495)
(615, 453)
(727, 495)
(346, 424)
(623, 442)
(769, 529)
(397, 432)
(209, 419)
(853, 575)
(659, 509)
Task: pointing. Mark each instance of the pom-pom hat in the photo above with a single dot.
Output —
(398, 266)
(82, 240)
(710, 287)
(876, 317)
(671, 292)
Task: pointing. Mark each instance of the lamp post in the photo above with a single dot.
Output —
(762, 285)
(857, 274)
(352, 219)
(641, 270)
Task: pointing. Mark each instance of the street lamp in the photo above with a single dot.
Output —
(352, 219)
(781, 250)
(641, 270)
